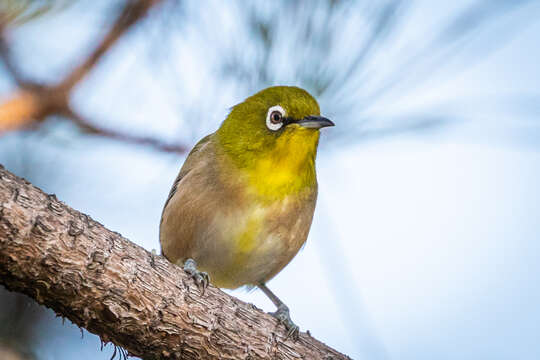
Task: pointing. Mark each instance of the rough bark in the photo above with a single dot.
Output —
(119, 291)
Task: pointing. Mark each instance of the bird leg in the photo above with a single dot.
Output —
(201, 278)
(282, 313)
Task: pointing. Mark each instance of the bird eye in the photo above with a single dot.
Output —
(274, 117)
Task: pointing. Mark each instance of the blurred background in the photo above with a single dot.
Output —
(425, 242)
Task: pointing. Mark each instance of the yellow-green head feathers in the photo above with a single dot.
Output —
(273, 137)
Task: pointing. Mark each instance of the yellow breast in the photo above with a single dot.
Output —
(288, 169)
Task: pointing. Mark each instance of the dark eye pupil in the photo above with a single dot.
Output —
(276, 117)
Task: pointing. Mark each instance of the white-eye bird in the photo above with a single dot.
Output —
(243, 202)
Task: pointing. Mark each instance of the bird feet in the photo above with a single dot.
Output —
(200, 277)
(283, 316)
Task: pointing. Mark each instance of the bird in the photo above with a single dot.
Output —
(242, 204)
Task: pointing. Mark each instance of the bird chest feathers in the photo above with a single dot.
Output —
(242, 227)
(258, 240)
(288, 170)
(267, 222)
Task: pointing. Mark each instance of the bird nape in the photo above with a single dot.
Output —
(242, 205)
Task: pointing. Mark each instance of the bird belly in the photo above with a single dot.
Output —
(250, 246)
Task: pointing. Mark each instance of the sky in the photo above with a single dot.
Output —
(423, 245)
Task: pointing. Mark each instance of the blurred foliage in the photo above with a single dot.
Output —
(336, 50)
(18, 12)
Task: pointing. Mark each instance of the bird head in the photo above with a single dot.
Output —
(279, 124)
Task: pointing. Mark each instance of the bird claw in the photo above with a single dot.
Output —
(283, 316)
(201, 278)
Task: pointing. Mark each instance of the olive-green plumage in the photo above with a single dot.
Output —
(243, 202)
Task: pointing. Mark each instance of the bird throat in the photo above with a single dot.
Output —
(288, 169)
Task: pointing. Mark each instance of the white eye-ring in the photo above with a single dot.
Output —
(274, 117)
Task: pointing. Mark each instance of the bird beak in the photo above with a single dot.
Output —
(315, 122)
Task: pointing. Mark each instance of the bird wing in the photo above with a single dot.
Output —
(188, 165)
(190, 201)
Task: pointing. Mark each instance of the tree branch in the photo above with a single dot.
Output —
(132, 12)
(90, 128)
(18, 111)
(34, 102)
(121, 292)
